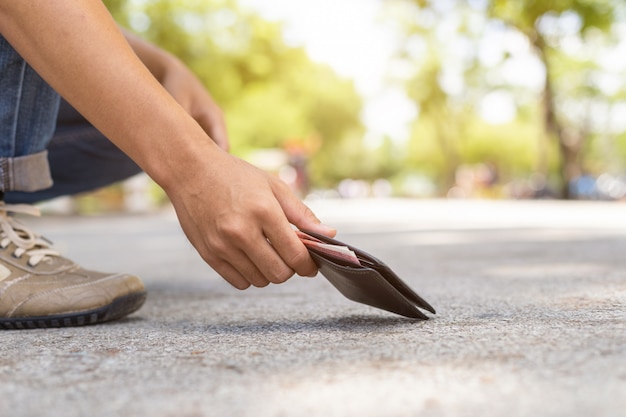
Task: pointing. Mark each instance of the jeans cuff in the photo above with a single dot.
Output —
(25, 173)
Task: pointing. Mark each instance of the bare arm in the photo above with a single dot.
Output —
(229, 210)
(184, 86)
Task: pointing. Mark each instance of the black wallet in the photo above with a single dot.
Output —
(372, 283)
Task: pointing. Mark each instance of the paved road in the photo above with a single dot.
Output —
(531, 301)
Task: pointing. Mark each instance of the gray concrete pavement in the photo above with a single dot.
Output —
(531, 300)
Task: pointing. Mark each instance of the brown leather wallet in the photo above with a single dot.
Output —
(372, 283)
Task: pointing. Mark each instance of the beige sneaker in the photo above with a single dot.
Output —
(39, 288)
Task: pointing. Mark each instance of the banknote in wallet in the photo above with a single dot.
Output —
(363, 278)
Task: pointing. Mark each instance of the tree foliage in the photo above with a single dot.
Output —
(273, 95)
(564, 36)
(563, 121)
(539, 22)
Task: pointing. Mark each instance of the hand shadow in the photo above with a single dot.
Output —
(360, 323)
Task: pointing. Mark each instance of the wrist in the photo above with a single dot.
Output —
(178, 156)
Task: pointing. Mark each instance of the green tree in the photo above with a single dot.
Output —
(440, 141)
(536, 20)
(569, 89)
(273, 95)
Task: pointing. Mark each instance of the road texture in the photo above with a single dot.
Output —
(531, 302)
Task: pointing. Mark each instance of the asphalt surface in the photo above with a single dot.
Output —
(531, 321)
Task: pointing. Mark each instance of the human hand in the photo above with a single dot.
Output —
(183, 86)
(235, 215)
(189, 92)
(238, 219)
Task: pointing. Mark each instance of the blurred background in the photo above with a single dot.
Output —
(516, 99)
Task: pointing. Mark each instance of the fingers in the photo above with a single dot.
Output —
(231, 275)
(290, 250)
(257, 258)
(270, 264)
(244, 256)
(219, 252)
(271, 254)
(297, 212)
(189, 92)
(237, 268)
(245, 233)
(282, 252)
(244, 275)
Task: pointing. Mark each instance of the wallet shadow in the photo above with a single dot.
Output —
(345, 324)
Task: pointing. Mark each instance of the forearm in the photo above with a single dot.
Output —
(235, 215)
(155, 59)
(184, 87)
(76, 46)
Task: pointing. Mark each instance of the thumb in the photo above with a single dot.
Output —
(298, 213)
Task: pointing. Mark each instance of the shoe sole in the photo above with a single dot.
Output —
(119, 308)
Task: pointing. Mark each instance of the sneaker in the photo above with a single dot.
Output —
(40, 288)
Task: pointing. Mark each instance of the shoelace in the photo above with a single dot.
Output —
(27, 242)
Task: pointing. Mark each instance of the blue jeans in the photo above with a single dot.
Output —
(46, 152)
(28, 109)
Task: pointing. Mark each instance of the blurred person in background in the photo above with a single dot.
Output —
(149, 107)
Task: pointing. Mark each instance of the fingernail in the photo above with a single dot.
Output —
(328, 229)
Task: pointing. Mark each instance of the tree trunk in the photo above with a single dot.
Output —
(568, 140)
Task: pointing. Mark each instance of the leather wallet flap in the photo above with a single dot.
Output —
(373, 283)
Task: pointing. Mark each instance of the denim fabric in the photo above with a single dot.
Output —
(28, 111)
(40, 144)
(81, 159)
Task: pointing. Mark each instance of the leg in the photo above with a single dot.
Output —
(81, 159)
(40, 288)
(28, 112)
